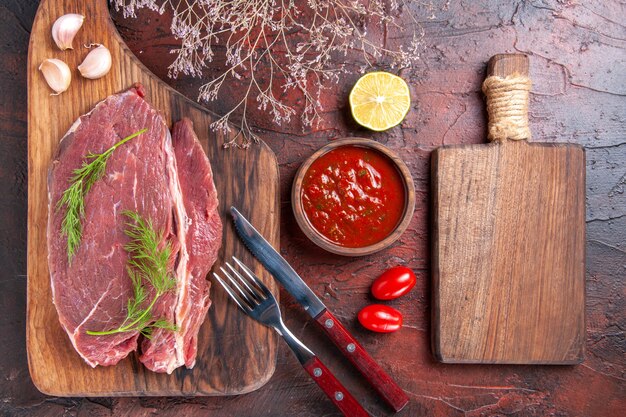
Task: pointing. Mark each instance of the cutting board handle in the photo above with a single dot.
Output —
(507, 90)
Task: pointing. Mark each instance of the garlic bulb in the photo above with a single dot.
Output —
(64, 29)
(57, 74)
(96, 64)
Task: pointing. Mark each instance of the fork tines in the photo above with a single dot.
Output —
(249, 291)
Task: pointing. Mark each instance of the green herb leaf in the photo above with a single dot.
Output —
(73, 198)
(148, 265)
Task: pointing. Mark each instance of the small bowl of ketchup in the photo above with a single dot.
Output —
(353, 197)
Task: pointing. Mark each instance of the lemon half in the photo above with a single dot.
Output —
(380, 100)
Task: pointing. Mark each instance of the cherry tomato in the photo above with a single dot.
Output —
(380, 318)
(393, 283)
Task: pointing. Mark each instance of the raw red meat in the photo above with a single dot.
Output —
(171, 187)
(199, 235)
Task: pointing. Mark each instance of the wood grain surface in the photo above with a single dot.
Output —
(509, 249)
(577, 55)
(235, 355)
(509, 253)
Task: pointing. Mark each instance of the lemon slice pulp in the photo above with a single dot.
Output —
(380, 100)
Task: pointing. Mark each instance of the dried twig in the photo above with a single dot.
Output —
(277, 45)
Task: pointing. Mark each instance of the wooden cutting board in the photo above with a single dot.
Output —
(236, 355)
(509, 248)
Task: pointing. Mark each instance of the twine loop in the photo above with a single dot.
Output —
(507, 105)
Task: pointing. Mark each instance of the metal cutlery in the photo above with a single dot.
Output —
(293, 283)
(256, 300)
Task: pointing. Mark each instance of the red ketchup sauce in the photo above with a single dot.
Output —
(354, 196)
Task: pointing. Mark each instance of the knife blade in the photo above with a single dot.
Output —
(295, 285)
(276, 265)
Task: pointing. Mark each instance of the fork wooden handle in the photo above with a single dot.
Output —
(351, 349)
(331, 386)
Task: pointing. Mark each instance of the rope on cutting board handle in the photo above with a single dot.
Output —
(507, 105)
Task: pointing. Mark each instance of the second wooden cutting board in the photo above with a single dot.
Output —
(509, 239)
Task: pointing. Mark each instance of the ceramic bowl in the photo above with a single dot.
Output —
(322, 241)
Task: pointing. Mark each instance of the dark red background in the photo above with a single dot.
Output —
(578, 63)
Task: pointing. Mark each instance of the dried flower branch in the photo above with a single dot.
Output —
(273, 46)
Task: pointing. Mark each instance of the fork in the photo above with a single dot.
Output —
(257, 301)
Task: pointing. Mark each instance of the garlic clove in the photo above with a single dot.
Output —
(96, 64)
(57, 74)
(65, 28)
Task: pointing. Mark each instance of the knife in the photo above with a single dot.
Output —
(291, 281)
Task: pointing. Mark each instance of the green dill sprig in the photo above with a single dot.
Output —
(148, 264)
(73, 197)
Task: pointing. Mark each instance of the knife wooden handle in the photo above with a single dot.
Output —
(331, 386)
(351, 349)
